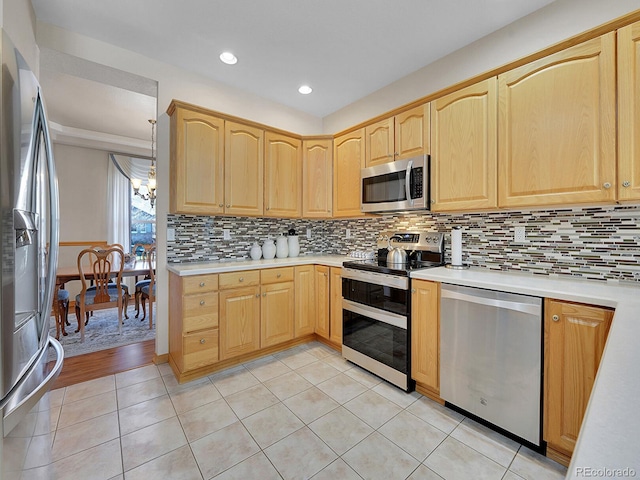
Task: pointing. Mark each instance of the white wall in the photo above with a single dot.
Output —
(556, 22)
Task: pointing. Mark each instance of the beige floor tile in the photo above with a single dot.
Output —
(340, 429)
(338, 470)
(233, 380)
(137, 375)
(81, 436)
(171, 382)
(337, 362)
(39, 453)
(151, 442)
(251, 400)
(377, 457)
(144, 414)
(374, 409)
(424, 473)
(491, 444)
(342, 388)
(454, 460)
(320, 350)
(272, 424)
(164, 369)
(300, 455)
(310, 404)
(56, 397)
(194, 397)
(90, 388)
(317, 372)
(256, 465)
(396, 395)
(223, 449)
(415, 436)
(533, 466)
(40, 473)
(207, 419)
(296, 358)
(267, 368)
(178, 464)
(101, 462)
(141, 392)
(287, 385)
(367, 379)
(87, 408)
(511, 476)
(437, 415)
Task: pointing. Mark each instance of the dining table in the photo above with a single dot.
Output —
(69, 274)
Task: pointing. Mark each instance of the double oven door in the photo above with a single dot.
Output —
(375, 330)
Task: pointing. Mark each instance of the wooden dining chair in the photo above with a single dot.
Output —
(61, 311)
(148, 292)
(141, 250)
(106, 265)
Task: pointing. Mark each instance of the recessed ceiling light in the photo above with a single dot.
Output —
(228, 58)
(305, 89)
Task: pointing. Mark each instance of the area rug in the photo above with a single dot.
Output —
(102, 332)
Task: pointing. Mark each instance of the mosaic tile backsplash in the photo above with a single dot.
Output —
(600, 243)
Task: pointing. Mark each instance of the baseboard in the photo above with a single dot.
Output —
(561, 458)
(427, 392)
(158, 359)
(328, 343)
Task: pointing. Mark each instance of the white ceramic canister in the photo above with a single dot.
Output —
(282, 247)
(268, 249)
(294, 243)
(255, 252)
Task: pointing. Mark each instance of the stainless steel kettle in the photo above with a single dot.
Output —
(395, 255)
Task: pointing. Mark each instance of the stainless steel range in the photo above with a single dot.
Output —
(376, 305)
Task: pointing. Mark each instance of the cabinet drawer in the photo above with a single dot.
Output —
(199, 311)
(200, 349)
(239, 279)
(275, 275)
(199, 284)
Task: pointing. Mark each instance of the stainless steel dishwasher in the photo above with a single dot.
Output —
(491, 357)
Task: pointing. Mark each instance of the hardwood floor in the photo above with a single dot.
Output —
(105, 362)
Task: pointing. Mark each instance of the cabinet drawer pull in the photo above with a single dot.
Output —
(241, 279)
(202, 340)
(626, 184)
(201, 302)
(555, 318)
(202, 284)
(278, 275)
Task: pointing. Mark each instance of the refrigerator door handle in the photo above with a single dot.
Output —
(13, 417)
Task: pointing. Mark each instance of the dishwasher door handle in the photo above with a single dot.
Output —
(492, 302)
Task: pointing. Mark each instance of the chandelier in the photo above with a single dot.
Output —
(136, 183)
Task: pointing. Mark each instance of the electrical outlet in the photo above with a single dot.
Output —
(347, 233)
(171, 234)
(519, 234)
(308, 234)
(226, 234)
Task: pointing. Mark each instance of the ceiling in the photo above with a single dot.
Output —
(343, 49)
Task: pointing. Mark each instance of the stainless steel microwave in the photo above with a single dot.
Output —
(398, 186)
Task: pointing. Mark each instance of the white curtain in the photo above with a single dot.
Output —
(118, 205)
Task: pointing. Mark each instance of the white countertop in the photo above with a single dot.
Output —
(610, 434)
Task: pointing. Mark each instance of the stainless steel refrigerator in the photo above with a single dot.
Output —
(29, 222)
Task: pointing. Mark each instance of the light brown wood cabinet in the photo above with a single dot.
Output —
(244, 169)
(335, 317)
(277, 306)
(197, 163)
(323, 300)
(317, 177)
(282, 176)
(239, 321)
(629, 112)
(425, 336)
(402, 136)
(193, 321)
(557, 128)
(574, 340)
(305, 301)
(464, 155)
(348, 160)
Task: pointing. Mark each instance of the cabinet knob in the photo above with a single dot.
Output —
(326, 274)
(228, 206)
(221, 205)
(413, 290)
(264, 294)
(241, 279)
(201, 302)
(606, 185)
(267, 208)
(278, 275)
(202, 340)
(555, 318)
(626, 184)
(433, 202)
(395, 154)
(202, 284)
(257, 295)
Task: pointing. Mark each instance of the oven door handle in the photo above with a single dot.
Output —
(407, 182)
(375, 313)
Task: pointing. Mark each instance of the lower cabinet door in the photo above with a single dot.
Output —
(200, 348)
(239, 321)
(425, 334)
(322, 300)
(277, 313)
(305, 297)
(335, 329)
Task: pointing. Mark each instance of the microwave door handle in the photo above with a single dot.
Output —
(407, 182)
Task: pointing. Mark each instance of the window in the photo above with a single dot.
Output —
(143, 220)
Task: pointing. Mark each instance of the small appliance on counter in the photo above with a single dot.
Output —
(376, 305)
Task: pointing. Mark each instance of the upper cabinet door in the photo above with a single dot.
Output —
(412, 132)
(282, 176)
(197, 166)
(348, 160)
(379, 140)
(557, 128)
(317, 168)
(629, 112)
(464, 160)
(244, 150)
